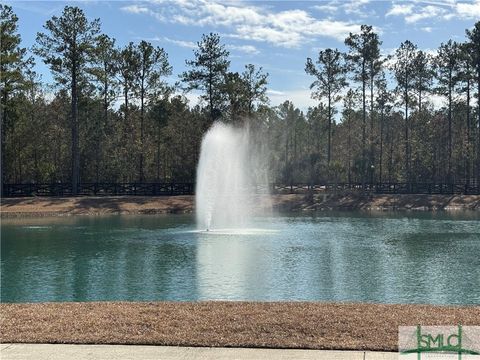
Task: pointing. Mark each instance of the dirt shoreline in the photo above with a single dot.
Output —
(52, 206)
(306, 325)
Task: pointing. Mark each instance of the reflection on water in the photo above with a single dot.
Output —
(385, 257)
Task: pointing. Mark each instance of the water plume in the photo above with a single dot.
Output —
(227, 179)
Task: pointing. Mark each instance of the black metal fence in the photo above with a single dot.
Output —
(169, 189)
(381, 188)
(99, 189)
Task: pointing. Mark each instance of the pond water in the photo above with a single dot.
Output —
(429, 258)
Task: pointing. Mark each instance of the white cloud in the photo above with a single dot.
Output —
(271, 92)
(336, 29)
(135, 9)
(468, 10)
(249, 49)
(301, 98)
(193, 97)
(349, 7)
(400, 9)
(292, 28)
(44, 8)
(426, 12)
(329, 8)
(268, 34)
(428, 29)
(181, 43)
(420, 10)
(286, 28)
(436, 100)
(355, 7)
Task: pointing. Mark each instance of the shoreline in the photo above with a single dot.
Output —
(295, 325)
(182, 204)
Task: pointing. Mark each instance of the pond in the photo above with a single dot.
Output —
(385, 257)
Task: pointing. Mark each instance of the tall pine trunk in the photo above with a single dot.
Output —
(449, 165)
(3, 173)
(158, 155)
(364, 124)
(381, 143)
(349, 149)
(142, 131)
(407, 139)
(468, 145)
(74, 128)
(478, 115)
(329, 146)
(372, 142)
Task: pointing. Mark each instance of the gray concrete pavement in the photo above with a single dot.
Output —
(140, 352)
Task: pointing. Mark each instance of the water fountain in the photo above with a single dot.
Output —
(226, 178)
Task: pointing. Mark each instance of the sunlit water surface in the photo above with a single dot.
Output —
(369, 257)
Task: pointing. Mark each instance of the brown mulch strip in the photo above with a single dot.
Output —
(231, 324)
(50, 206)
(90, 205)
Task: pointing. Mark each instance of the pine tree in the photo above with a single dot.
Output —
(154, 66)
(474, 41)
(235, 90)
(348, 118)
(12, 62)
(330, 80)
(67, 47)
(466, 78)
(207, 73)
(422, 76)
(447, 66)
(361, 55)
(128, 67)
(256, 87)
(404, 69)
(374, 68)
(104, 72)
(384, 98)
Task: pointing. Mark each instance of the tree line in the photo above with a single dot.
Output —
(112, 116)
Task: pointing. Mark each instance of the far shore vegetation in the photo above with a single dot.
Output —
(111, 115)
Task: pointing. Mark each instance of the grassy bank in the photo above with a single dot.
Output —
(44, 206)
(239, 324)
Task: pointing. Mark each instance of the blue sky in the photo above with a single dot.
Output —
(277, 35)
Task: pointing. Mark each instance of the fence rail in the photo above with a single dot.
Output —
(99, 189)
(381, 188)
(168, 189)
